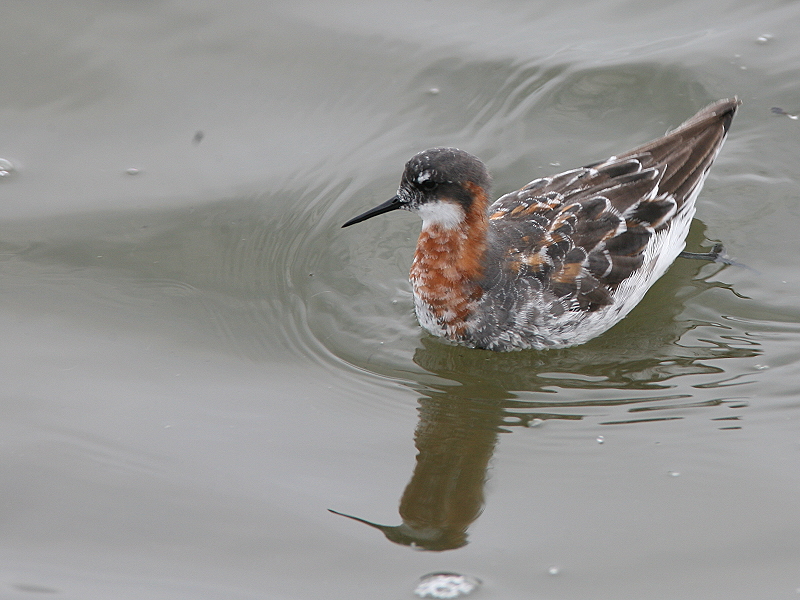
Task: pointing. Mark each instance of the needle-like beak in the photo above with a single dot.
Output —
(389, 205)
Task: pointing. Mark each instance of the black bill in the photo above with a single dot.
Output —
(388, 206)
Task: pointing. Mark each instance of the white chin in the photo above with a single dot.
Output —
(444, 214)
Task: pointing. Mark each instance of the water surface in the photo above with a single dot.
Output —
(198, 362)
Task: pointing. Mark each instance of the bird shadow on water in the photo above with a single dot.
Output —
(480, 394)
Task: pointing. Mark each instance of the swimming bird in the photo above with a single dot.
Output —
(561, 260)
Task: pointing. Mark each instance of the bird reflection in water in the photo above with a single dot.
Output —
(455, 439)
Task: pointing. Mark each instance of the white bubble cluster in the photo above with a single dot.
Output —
(446, 585)
(6, 167)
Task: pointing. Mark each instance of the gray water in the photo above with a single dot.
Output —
(197, 362)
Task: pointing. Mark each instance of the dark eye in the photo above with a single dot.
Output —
(427, 185)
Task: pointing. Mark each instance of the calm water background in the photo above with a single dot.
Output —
(197, 361)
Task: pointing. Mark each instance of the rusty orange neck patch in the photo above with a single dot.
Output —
(447, 265)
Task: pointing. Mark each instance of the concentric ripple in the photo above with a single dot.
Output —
(273, 276)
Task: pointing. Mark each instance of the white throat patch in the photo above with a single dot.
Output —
(445, 214)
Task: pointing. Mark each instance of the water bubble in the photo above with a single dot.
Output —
(535, 422)
(132, 171)
(433, 91)
(764, 39)
(446, 585)
(554, 570)
(600, 439)
(760, 367)
(6, 168)
(674, 473)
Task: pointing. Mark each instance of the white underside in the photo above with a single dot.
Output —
(427, 319)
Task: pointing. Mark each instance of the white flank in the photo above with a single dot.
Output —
(661, 251)
(445, 214)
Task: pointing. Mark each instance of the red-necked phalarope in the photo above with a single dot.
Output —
(561, 260)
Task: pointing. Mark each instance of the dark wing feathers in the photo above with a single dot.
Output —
(686, 153)
(652, 213)
(582, 232)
